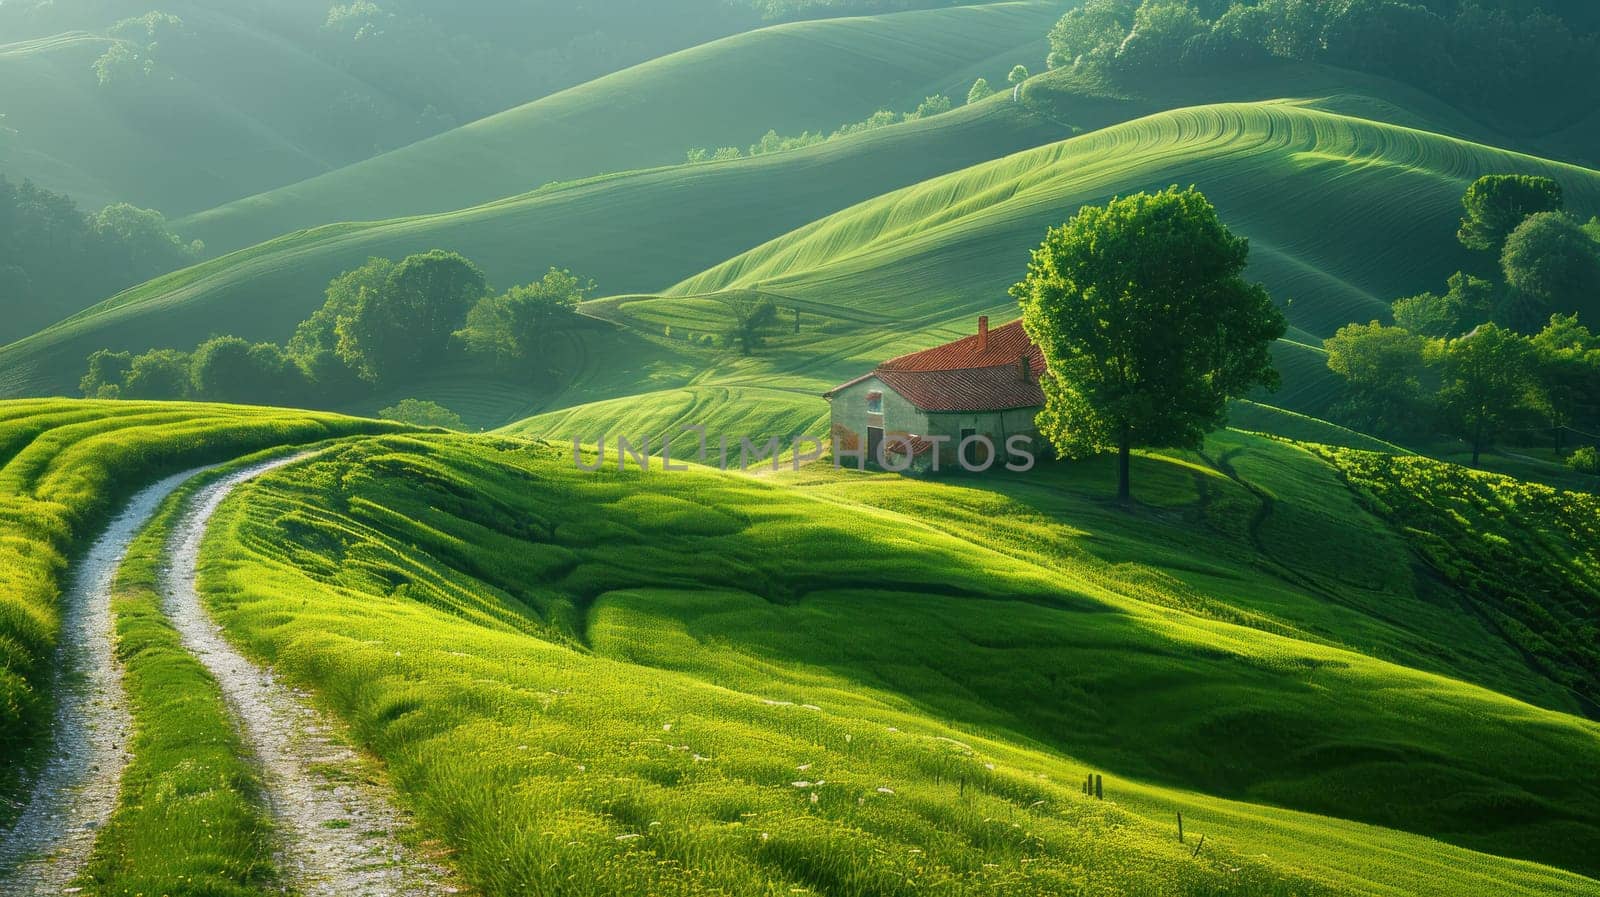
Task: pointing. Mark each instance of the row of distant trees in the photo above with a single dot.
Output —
(1522, 64)
(380, 325)
(56, 259)
(773, 142)
(1488, 356)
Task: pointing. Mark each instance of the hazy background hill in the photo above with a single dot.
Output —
(808, 76)
(181, 106)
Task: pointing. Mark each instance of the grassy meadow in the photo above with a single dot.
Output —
(705, 212)
(612, 682)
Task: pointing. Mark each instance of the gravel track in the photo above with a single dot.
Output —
(337, 828)
(77, 788)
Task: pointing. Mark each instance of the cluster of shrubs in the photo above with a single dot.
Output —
(1521, 63)
(380, 325)
(1524, 554)
(773, 142)
(1488, 356)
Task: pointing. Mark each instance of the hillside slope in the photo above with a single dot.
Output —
(1344, 214)
(805, 76)
(634, 232)
(935, 661)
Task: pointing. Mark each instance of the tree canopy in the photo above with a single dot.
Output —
(406, 322)
(1508, 59)
(1486, 375)
(55, 260)
(510, 326)
(1496, 204)
(1553, 265)
(1146, 323)
(1383, 368)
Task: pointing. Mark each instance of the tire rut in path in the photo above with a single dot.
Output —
(78, 785)
(335, 827)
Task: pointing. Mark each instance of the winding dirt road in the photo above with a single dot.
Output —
(336, 826)
(78, 786)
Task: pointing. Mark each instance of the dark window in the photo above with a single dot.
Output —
(874, 402)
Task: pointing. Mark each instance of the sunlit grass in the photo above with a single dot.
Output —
(64, 465)
(612, 683)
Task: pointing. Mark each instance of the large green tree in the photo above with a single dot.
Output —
(509, 327)
(1147, 325)
(1552, 266)
(751, 318)
(158, 374)
(1496, 204)
(1567, 365)
(1487, 385)
(404, 324)
(1383, 369)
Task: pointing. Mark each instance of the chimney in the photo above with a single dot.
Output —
(983, 332)
(1025, 368)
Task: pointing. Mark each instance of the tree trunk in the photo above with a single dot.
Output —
(1124, 449)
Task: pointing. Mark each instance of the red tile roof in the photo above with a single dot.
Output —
(961, 376)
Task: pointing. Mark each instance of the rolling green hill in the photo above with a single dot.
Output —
(1321, 195)
(696, 654)
(812, 76)
(634, 232)
(229, 117)
(1344, 214)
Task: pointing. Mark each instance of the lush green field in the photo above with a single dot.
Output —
(606, 683)
(806, 76)
(64, 466)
